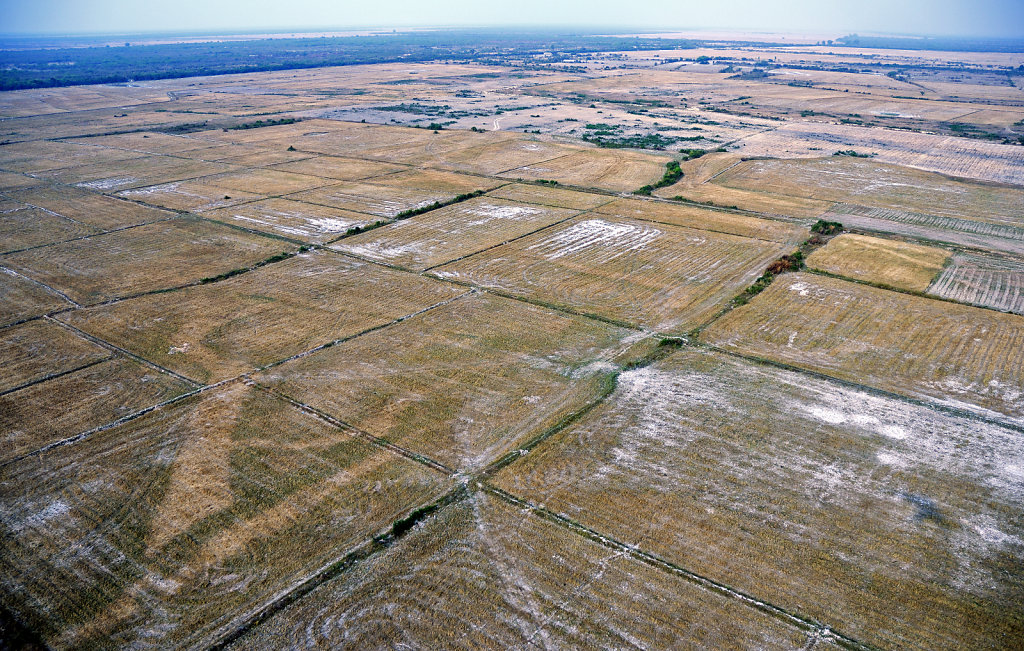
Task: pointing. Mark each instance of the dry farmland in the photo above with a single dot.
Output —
(658, 276)
(584, 349)
(962, 356)
(884, 262)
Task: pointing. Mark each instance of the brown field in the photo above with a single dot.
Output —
(482, 575)
(149, 170)
(217, 331)
(959, 157)
(879, 185)
(267, 158)
(548, 196)
(695, 186)
(616, 171)
(37, 350)
(434, 180)
(10, 181)
(294, 219)
(387, 196)
(88, 207)
(143, 259)
(495, 155)
(26, 228)
(41, 156)
(825, 501)
(153, 142)
(65, 406)
(663, 277)
(173, 526)
(473, 379)
(23, 298)
(341, 169)
(453, 232)
(971, 233)
(194, 196)
(957, 355)
(706, 219)
(883, 262)
(557, 414)
(265, 182)
(986, 280)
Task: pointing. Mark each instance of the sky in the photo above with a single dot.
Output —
(996, 18)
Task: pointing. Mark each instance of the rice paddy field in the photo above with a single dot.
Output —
(890, 263)
(666, 278)
(438, 355)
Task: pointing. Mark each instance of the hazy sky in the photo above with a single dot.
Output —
(939, 17)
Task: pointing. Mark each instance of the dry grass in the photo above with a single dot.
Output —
(879, 185)
(439, 236)
(36, 350)
(987, 280)
(65, 406)
(389, 195)
(148, 170)
(44, 155)
(28, 227)
(955, 156)
(294, 219)
(11, 181)
(884, 262)
(21, 298)
(462, 384)
(153, 142)
(706, 219)
(548, 196)
(663, 277)
(178, 523)
(341, 169)
(89, 208)
(919, 347)
(619, 171)
(972, 233)
(144, 258)
(217, 331)
(482, 574)
(494, 153)
(193, 196)
(825, 501)
(265, 182)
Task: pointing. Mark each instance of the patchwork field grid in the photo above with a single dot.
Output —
(511, 339)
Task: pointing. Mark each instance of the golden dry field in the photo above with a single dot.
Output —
(452, 232)
(824, 500)
(650, 275)
(895, 264)
(710, 347)
(955, 355)
(983, 279)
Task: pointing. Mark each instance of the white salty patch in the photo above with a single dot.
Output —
(54, 509)
(831, 416)
(618, 239)
(108, 184)
(383, 250)
(491, 212)
(801, 287)
(890, 459)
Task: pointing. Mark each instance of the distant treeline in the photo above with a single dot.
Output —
(48, 67)
(947, 44)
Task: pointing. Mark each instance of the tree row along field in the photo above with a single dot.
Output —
(333, 383)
